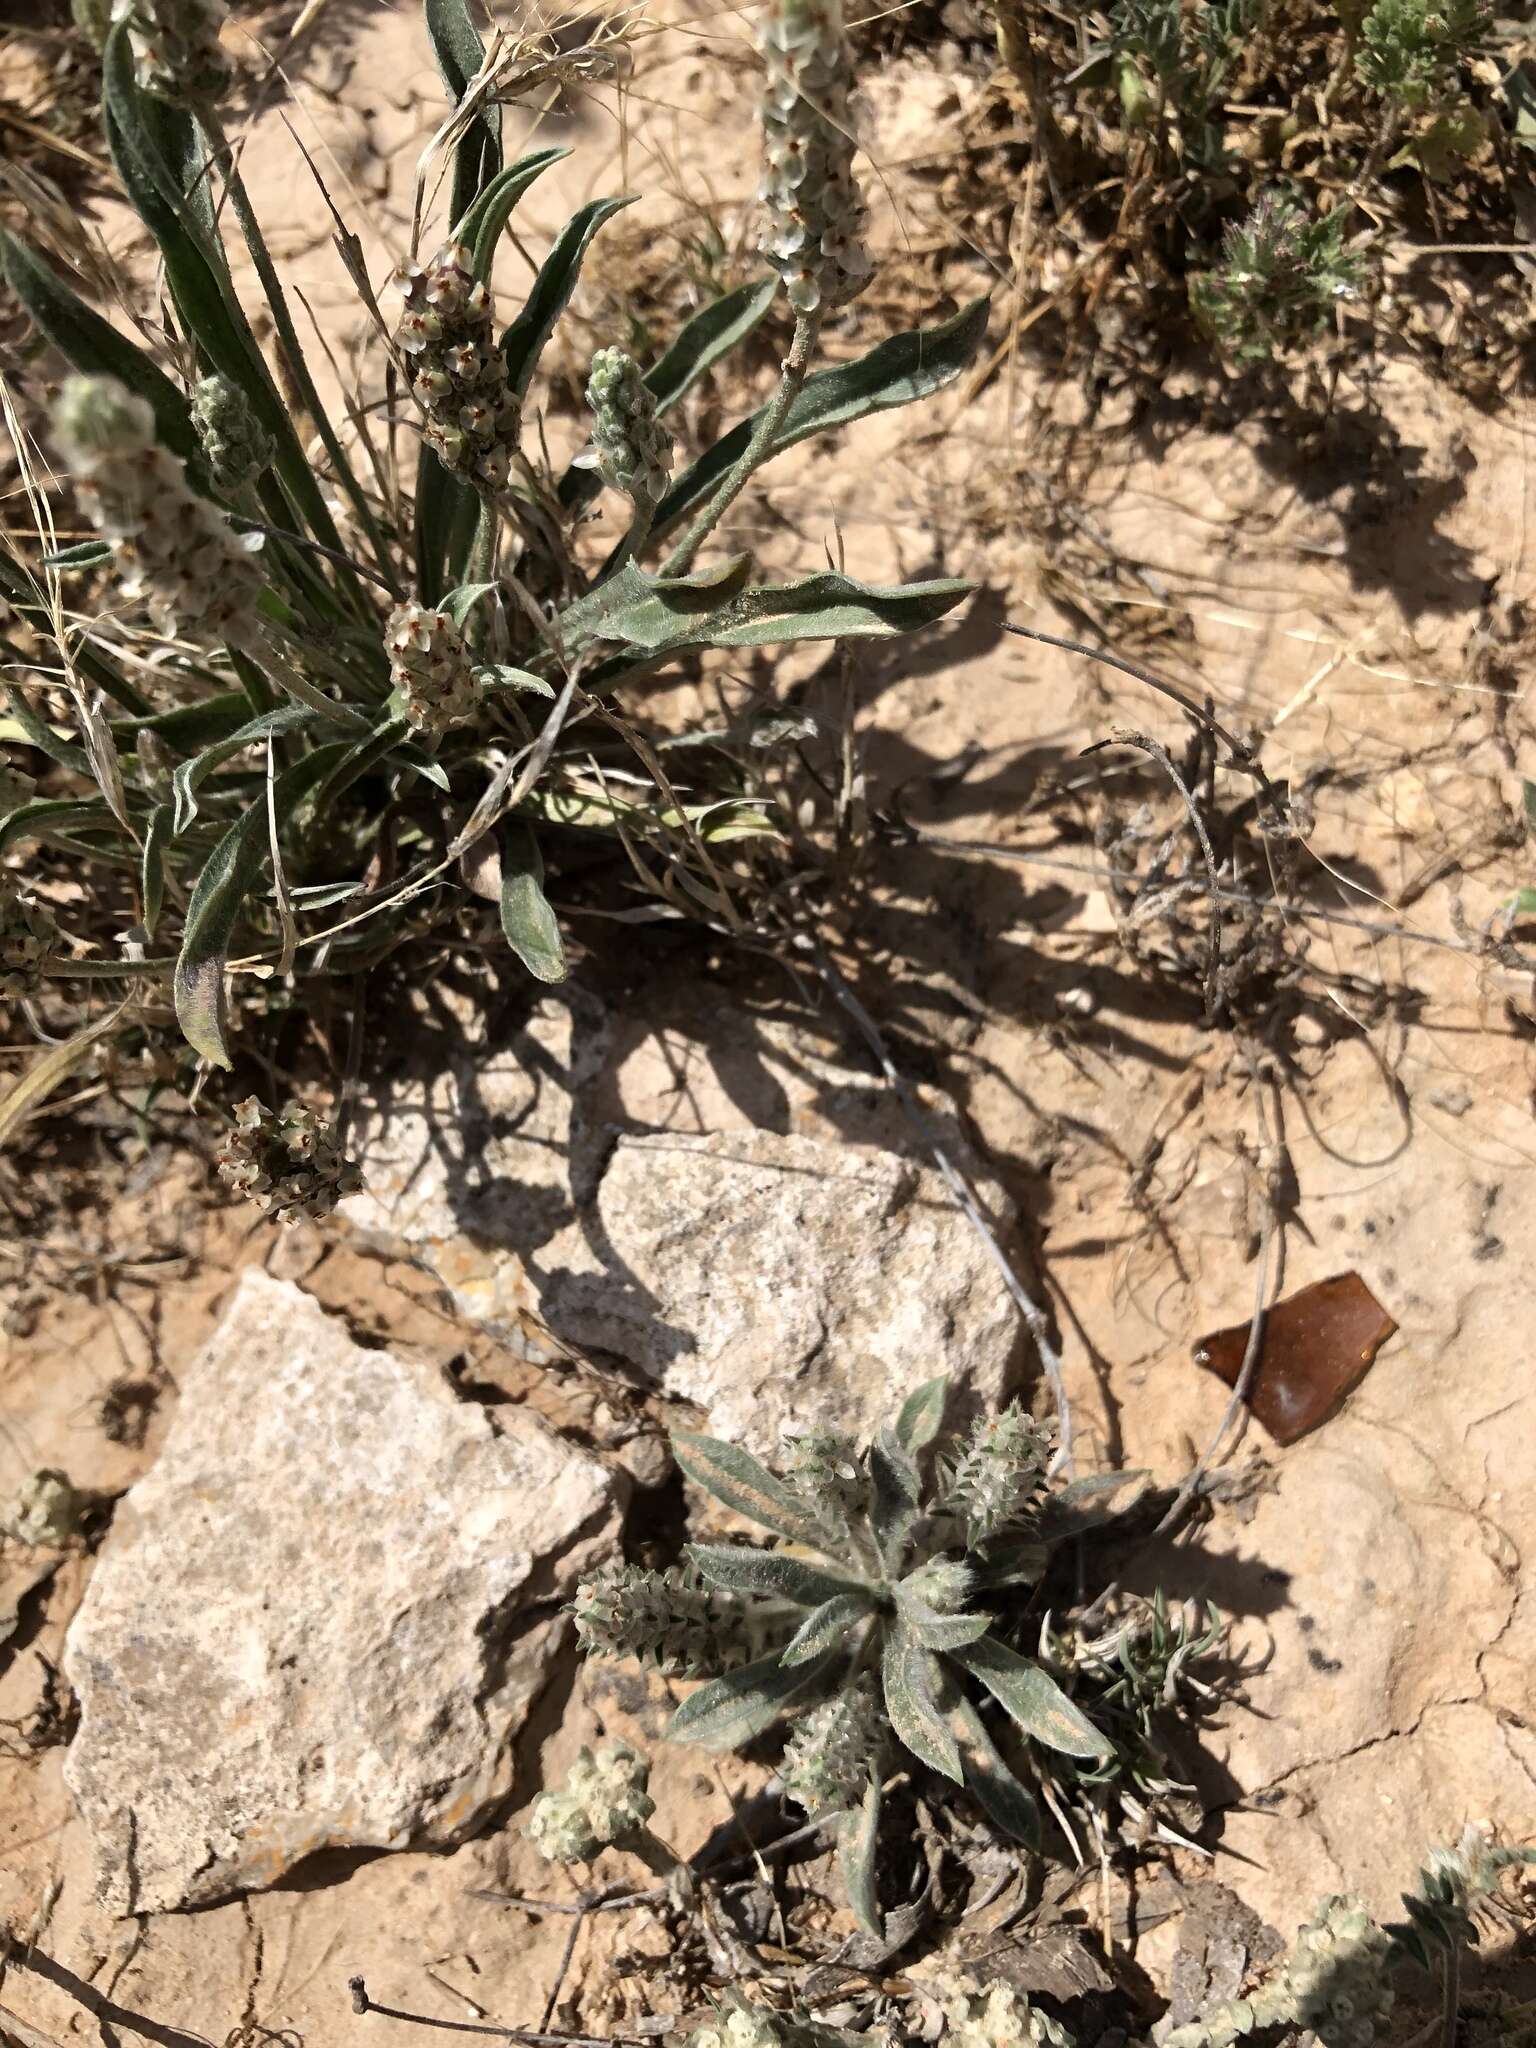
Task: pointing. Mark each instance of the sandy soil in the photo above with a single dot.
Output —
(1357, 599)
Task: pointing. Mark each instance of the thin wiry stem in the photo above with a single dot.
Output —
(758, 449)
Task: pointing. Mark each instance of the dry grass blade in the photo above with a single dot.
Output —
(51, 1071)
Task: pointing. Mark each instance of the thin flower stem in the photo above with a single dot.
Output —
(758, 449)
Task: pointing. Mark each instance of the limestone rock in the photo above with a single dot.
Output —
(775, 1280)
(320, 1617)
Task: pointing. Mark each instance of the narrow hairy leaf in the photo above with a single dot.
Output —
(1007, 1803)
(482, 227)
(85, 554)
(157, 837)
(729, 1711)
(231, 873)
(942, 1631)
(910, 1677)
(893, 1508)
(738, 1569)
(459, 52)
(37, 734)
(528, 924)
(189, 725)
(191, 775)
(89, 345)
(922, 1415)
(40, 820)
(1032, 1698)
(659, 616)
(737, 1479)
(856, 1858)
(827, 1626)
(895, 372)
(524, 340)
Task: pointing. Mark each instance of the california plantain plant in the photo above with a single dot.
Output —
(886, 1606)
(325, 679)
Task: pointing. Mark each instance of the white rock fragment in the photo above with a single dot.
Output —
(321, 1617)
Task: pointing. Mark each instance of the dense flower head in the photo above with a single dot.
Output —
(29, 939)
(665, 1618)
(1336, 1978)
(603, 1803)
(814, 233)
(832, 1750)
(290, 1166)
(176, 47)
(431, 668)
(738, 2024)
(458, 375)
(824, 1467)
(631, 449)
(996, 2016)
(237, 446)
(999, 1475)
(172, 548)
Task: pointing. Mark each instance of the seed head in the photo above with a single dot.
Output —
(470, 412)
(825, 1469)
(290, 1166)
(996, 2016)
(832, 1750)
(667, 1619)
(29, 939)
(814, 233)
(603, 1803)
(237, 445)
(430, 666)
(631, 450)
(999, 1476)
(46, 1510)
(172, 547)
(176, 48)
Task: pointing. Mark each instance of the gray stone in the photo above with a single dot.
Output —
(321, 1616)
(775, 1281)
(769, 1278)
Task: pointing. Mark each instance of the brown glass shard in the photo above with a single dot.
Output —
(1318, 1346)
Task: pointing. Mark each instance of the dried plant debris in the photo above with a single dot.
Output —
(1317, 1346)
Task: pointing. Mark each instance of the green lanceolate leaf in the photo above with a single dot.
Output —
(910, 1677)
(459, 51)
(43, 737)
(89, 345)
(48, 815)
(189, 725)
(527, 922)
(482, 227)
(893, 1508)
(895, 372)
(661, 616)
(1032, 1698)
(446, 513)
(737, 1479)
(826, 1627)
(941, 1631)
(191, 775)
(856, 1858)
(922, 1415)
(729, 1711)
(700, 344)
(524, 340)
(85, 554)
(739, 1569)
(1006, 1803)
(157, 838)
(231, 873)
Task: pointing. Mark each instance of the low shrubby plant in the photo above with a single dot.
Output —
(321, 686)
(889, 1613)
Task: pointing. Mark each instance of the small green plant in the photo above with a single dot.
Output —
(1412, 51)
(1171, 65)
(310, 706)
(890, 1605)
(1281, 273)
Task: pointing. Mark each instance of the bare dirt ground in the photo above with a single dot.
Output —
(1361, 601)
